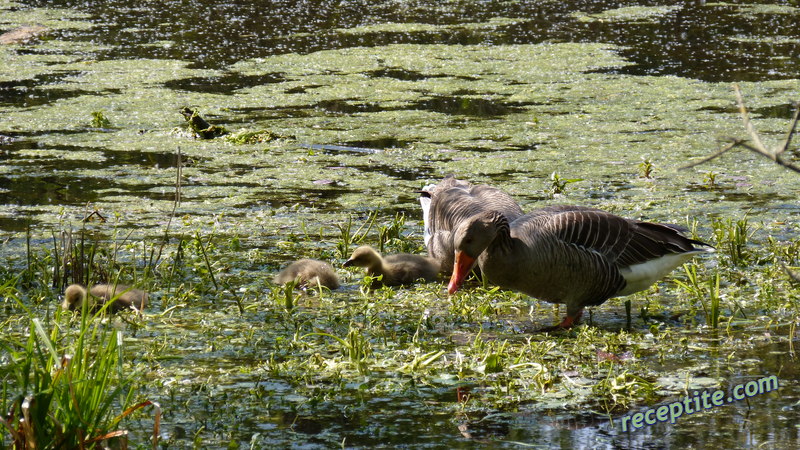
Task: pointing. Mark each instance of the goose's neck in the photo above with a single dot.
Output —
(501, 260)
(501, 246)
(502, 241)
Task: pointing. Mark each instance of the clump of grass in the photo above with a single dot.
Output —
(204, 249)
(620, 389)
(348, 237)
(710, 179)
(692, 285)
(285, 297)
(732, 237)
(707, 293)
(391, 235)
(421, 362)
(355, 347)
(67, 391)
(783, 252)
(391, 232)
(711, 307)
(494, 357)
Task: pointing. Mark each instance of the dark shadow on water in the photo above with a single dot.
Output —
(257, 114)
(54, 180)
(506, 148)
(381, 143)
(37, 190)
(451, 105)
(49, 190)
(310, 197)
(352, 106)
(107, 158)
(225, 84)
(400, 73)
(29, 92)
(469, 106)
(16, 223)
(711, 41)
(726, 192)
(407, 174)
(784, 111)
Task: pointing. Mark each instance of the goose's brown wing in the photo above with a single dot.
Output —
(624, 242)
(572, 253)
(653, 240)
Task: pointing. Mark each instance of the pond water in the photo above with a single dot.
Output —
(372, 100)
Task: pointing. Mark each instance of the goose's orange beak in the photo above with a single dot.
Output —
(461, 269)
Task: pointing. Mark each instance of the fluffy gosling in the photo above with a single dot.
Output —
(309, 273)
(403, 268)
(125, 297)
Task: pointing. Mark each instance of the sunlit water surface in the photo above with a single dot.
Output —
(381, 98)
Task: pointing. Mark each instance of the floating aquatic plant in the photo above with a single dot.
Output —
(646, 168)
(558, 185)
(200, 127)
(99, 120)
(255, 137)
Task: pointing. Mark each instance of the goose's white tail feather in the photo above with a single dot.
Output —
(425, 202)
(639, 277)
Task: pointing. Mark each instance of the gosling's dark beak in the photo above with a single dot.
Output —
(348, 263)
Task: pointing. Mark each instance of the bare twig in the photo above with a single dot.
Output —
(94, 213)
(790, 134)
(771, 156)
(179, 167)
(717, 154)
(757, 146)
(747, 124)
(175, 203)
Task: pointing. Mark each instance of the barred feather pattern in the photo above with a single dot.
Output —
(452, 202)
(573, 255)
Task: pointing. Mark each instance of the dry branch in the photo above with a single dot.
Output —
(757, 146)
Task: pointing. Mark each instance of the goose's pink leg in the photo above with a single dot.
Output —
(568, 322)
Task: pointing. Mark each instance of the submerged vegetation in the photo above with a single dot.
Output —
(250, 342)
(327, 149)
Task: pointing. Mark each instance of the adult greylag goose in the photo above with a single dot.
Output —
(449, 203)
(572, 255)
(309, 273)
(402, 268)
(125, 297)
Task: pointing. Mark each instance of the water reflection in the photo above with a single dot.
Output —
(359, 420)
(712, 42)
